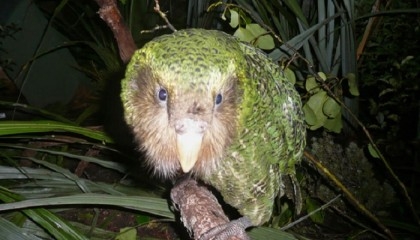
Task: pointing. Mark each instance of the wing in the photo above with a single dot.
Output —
(270, 140)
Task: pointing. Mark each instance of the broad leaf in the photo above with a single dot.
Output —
(234, 18)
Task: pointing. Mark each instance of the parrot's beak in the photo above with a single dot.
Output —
(189, 143)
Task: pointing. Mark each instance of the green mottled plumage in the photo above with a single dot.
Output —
(253, 137)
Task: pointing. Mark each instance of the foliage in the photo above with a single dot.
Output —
(326, 48)
(35, 174)
(390, 75)
(47, 181)
(389, 72)
(319, 34)
(42, 161)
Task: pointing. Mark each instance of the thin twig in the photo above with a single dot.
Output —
(163, 16)
(284, 228)
(358, 223)
(159, 27)
(368, 30)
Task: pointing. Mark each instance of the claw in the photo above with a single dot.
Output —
(233, 230)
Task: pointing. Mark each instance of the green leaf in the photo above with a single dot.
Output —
(234, 18)
(310, 116)
(108, 164)
(270, 234)
(322, 76)
(36, 111)
(294, 44)
(313, 110)
(127, 233)
(313, 205)
(107, 56)
(394, 117)
(265, 42)
(256, 35)
(290, 75)
(19, 127)
(297, 10)
(405, 60)
(351, 79)
(331, 108)
(243, 34)
(142, 219)
(386, 91)
(372, 151)
(49, 221)
(311, 85)
(53, 224)
(401, 225)
(260, 35)
(152, 205)
(8, 230)
(334, 124)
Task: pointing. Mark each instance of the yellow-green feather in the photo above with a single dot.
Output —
(192, 54)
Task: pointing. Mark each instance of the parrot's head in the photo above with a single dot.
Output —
(180, 97)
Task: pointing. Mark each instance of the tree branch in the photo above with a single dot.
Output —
(108, 11)
(199, 208)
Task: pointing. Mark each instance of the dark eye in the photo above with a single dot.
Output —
(162, 94)
(218, 99)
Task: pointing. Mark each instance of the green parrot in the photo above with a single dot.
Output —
(202, 102)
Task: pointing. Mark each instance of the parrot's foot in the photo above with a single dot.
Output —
(233, 230)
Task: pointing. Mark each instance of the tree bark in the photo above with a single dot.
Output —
(108, 11)
(199, 209)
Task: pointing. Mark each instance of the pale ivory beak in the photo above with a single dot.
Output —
(189, 145)
(188, 138)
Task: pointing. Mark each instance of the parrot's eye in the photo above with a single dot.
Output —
(218, 99)
(162, 94)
